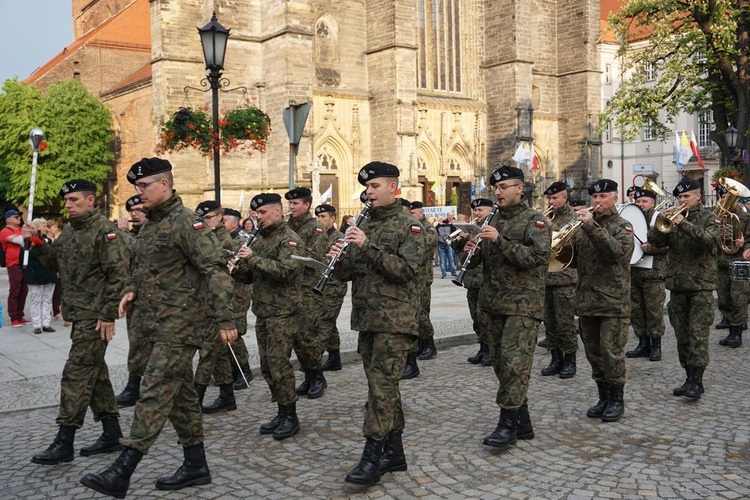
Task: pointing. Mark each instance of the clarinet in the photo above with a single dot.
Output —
(321, 284)
(248, 241)
(459, 279)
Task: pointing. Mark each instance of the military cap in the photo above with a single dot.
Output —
(263, 199)
(232, 212)
(603, 186)
(146, 167)
(721, 190)
(297, 193)
(481, 202)
(207, 206)
(77, 186)
(744, 200)
(404, 203)
(416, 204)
(325, 208)
(505, 173)
(577, 203)
(363, 197)
(132, 201)
(641, 193)
(686, 185)
(555, 187)
(376, 169)
(631, 189)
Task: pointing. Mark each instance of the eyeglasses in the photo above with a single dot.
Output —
(507, 186)
(210, 216)
(141, 186)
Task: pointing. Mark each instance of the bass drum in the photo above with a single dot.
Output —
(633, 214)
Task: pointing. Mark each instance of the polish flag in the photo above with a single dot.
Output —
(694, 148)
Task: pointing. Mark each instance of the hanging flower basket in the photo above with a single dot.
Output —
(188, 127)
(246, 129)
(727, 171)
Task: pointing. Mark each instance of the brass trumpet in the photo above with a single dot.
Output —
(549, 212)
(562, 244)
(665, 223)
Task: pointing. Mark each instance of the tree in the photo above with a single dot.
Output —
(700, 50)
(77, 132)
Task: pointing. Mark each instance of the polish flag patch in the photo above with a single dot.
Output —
(416, 229)
(111, 236)
(628, 229)
(717, 222)
(293, 244)
(198, 225)
(540, 223)
(319, 230)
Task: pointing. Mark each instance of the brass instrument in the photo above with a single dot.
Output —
(459, 279)
(731, 226)
(562, 245)
(249, 238)
(665, 222)
(549, 212)
(455, 234)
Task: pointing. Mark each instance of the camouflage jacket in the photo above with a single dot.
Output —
(567, 276)
(94, 265)
(385, 293)
(602, 251)
(659, 267)
(693, 244)
(430, 241)
(315, 244)
(334, 287)
(725, 260)
(180, 273)
(276, 277)
(473, 276)
(515, 265)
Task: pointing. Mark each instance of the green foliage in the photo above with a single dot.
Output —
(77, 132)
(187, 127)
(245, 124)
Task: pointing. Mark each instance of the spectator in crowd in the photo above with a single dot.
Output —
(444, 229)
(12, 243)
(41, 283)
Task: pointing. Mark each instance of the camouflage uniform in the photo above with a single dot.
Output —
(277, 299)
(92, 259)
(733, 294)
(473, 283)
(333, 299)
(425, 276)
(180, 273)
(559, 298)
(691, 279)
(139, 347)
(383, 276)
(647, 294)
(603, 248)
(241, 300)
(514, 268)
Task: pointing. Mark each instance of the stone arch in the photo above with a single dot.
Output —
(428, 159)
(327, 51)
(332, 156)
(459, 161)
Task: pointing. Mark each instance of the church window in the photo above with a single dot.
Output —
(439, 42)
(454, 165)
(327, 162)
(705, 124)
(422, 165)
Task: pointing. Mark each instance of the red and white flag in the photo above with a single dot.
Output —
(694, 148)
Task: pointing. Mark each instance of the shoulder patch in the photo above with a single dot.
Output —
(416, 229)
(293, 244)
(539, 223)
(198, 225)
(111, 236)
(717, 222)
(319, 230)
(628, 229)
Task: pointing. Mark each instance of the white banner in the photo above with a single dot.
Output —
(440, 212)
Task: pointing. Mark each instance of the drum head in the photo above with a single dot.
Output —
(636, 217)
(740, 270)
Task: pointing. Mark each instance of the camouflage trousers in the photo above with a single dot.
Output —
(309, 341)
(733, 297)
(383, 358)
(691, 315)
(559, 318)
(139, 348)
(276, 336)
(85, 378)
(604, 341)
(239, 346)
(215, 359)
(511, 340)
(167, 392)
(477, 316)
(425, 329)
(332, 302)
(647, 297)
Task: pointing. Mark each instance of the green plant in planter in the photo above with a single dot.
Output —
(187, 127)
(246, 129)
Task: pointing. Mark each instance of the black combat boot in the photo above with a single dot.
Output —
(429, 351)
(615, 405)
(477, 358)
(193, 471)
(333, 363)
(115, 479)
(367, 471)
(200, 390)
(505, 434)
(524, 430)
(109, 440)
(655, 354)
(555, 363)
(597, 410)
(130, 394)
(734, 339)
(642, 350)
(680, 391)
(61, 449)
(568, 369)
(695, 386)
(542, 343)
(304, 387)
(723, 324)
(271, 426)
(318, 384)
(420, 347)
(289, 424)
(393, 459)
(411, 370)
(239, 382)
(487, 358)
(225, 401)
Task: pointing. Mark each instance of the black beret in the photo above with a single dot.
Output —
(631, 189)
(325, 208)
(232, 212)
(207, 206)
(147, 167)
(686, 185)
(416, 204)
(132, 201)
(641, 193)
(376, 169)
(297, 193)
(506, 173)
(556, 187)
(262, 199)
(77, 186)
(721, 190)
(577, 203)
(363, 197)
(481, 202)
(603, 186)
(405, 203)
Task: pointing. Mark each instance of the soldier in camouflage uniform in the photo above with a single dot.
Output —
(733, 294)
(691, 279)
(647, 294)
(383, 259)
(277, 303)
(92, 260)
(426, 349)
(310, 339)
(514, 254)
(560, 295)
(602, 251)
(333, 296)
(179, 274)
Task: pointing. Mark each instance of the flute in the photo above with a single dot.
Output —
(459, 279)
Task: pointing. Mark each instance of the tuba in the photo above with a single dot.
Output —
(731, 226)
(562, 245)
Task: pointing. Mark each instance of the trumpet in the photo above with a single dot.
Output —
(549, 212)
(455, 234)
(665, 223)
(562, 244)
(459, 280)
(249, 238)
